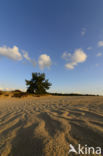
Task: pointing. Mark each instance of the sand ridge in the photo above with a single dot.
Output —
(45, 126)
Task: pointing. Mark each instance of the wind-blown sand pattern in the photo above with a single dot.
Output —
(45, 126)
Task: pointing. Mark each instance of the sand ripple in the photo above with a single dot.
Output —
(46, 126)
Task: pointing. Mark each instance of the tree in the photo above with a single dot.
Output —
(38, 84)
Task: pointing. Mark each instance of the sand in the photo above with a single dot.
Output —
(45, 126)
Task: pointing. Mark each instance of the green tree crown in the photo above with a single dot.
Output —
(38, 84)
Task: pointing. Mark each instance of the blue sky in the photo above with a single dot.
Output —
(64, 39)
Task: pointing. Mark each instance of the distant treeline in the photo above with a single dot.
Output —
(72, 94)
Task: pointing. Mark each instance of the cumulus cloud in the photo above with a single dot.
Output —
(11, 53)
(70, 65)
(100, 44)
(15, 54)
(99, 54)
(83, 31)
(26, 56)
(44, 61)
(79, 56)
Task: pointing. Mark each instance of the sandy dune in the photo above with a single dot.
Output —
(45, 126)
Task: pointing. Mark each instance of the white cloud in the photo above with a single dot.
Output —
(14, 54)
(70, 65)
(83, 31)
(100, 44)
(89, 48)
(26, 56)
(66, 55)
(11, 53)
(79, 56)
(99, 54)
(44, 61)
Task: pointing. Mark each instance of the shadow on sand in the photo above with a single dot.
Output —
(26, 143)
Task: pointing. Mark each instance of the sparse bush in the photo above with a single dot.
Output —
(19, 94)
(1, 92)
(17, 91)
(6, 94)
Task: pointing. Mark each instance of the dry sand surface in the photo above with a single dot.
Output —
(45, 126)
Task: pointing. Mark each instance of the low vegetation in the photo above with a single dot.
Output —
(1, 92)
